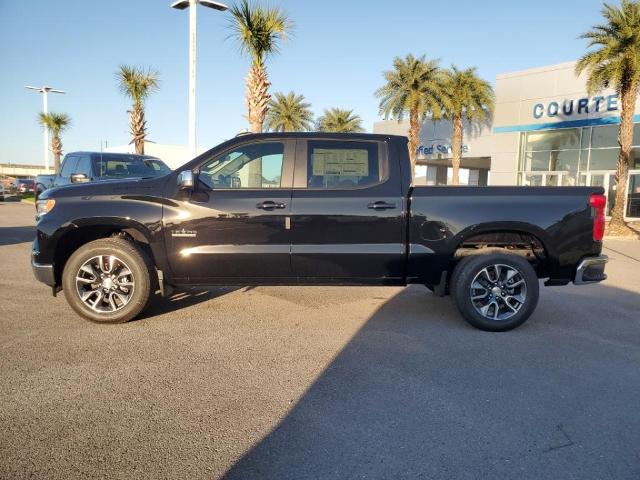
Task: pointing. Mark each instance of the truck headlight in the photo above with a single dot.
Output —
(44, 206)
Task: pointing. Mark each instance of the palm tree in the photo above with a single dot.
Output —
(339, 120)
(616, 63)
(56, 123)
(415, 88)
(137, 83)
(469, 98)
(289, 113)
(258, 30)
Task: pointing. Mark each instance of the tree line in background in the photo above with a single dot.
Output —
(415, 88)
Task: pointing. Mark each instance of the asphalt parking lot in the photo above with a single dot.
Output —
(317, 382)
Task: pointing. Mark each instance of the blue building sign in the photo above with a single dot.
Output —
(438, 148)
(567, 108)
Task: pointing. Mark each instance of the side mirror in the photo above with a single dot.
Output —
(79, 178)
(185, 180)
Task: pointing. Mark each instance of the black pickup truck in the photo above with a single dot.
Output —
(314, 209)
(83, 167)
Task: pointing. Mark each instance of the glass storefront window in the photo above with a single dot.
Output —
(565, 160)
(604, 159)
(562, 139)
(606, 136)
(586, 138)
(633, 196)
(537, 161)
(580, 156)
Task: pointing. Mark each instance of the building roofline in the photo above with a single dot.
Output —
(529, 71)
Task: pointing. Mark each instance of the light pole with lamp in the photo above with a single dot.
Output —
(191, 4)
(45, 109)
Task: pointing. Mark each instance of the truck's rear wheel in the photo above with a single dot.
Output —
(108, 281)
(496, 291)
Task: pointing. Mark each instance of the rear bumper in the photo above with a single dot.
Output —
(591, 270)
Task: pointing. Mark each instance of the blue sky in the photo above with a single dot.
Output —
(335, 58)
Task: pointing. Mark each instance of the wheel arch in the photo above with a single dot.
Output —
(82, 231)
(516, 237)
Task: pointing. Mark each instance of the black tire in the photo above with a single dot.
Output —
(504, 300)
(130, 257)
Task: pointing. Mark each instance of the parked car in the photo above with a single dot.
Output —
(24, 186)
(6, 190)
(315, 209)
(83, 167)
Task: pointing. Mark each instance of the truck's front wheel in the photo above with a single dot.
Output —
(108, 281)
(495, 291)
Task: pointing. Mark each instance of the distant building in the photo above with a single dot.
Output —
(546, 131)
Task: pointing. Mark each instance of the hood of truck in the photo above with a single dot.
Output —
(128, 186)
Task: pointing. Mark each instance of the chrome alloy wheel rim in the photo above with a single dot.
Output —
(105, 283)
(498, 292)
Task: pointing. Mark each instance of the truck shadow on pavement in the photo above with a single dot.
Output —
(182, 299)
(417, 393)
(14, 235)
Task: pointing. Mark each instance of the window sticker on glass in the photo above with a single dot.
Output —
(353, 162)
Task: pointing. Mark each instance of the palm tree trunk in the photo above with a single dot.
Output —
(56, 149)
(617, 225)
(257, 96)
(257, 103)
(456, 147)
(414, 134)
(138, 127)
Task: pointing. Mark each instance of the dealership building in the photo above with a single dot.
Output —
(546, 130)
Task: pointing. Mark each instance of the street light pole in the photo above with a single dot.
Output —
(191, 4)
(45, 109)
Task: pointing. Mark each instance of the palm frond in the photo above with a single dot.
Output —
(289, 113)
(338, 120)
(468, 96)
(137, 83)
(259, 30)
(55, 122)
(615, 56)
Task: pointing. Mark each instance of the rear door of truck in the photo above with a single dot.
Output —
(347, 221)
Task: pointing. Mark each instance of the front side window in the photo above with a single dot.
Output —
(256, 165)
(84, 166)
(335, 164)
(69, 166)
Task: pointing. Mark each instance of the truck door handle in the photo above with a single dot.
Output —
(270, 205)
(381, 206)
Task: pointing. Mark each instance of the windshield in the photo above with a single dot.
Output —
(122, 166)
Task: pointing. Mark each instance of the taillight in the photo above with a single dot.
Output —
(598, 201)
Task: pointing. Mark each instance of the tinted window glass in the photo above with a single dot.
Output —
(604, 159)
(335, 164)
(606, 136)
(537, 161)
(84, 166)
(256, 165)
(123, 166)
(69, 166)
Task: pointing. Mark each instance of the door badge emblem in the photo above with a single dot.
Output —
(184, 233)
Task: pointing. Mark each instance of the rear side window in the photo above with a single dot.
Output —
(339, 165)
(69, 166)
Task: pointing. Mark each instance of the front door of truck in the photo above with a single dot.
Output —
(347, 219)
(234, 224)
